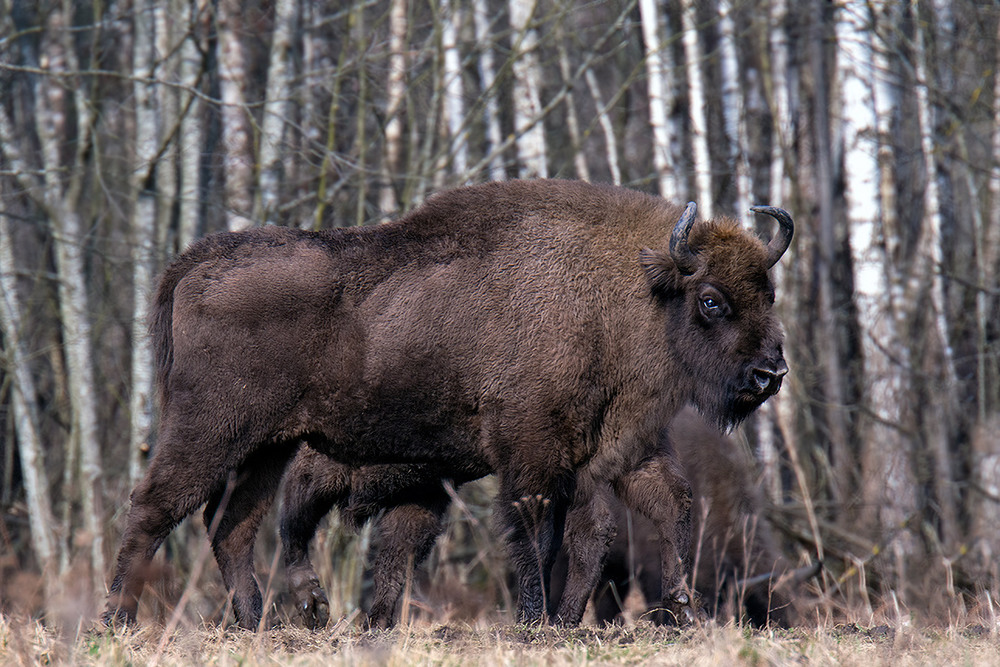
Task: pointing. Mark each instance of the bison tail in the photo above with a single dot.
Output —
(161, 322)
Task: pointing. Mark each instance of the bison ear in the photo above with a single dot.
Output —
(660, 271)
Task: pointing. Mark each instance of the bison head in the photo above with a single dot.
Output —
(719, 300)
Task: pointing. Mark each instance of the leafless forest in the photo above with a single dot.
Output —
(129, 128)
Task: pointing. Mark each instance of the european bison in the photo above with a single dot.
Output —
(541, 330)
(739, 567)
(733, 542)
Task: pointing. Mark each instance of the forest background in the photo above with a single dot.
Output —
(130, 128)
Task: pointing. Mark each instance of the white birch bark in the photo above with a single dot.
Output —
(658, 65)
(886, 96)
(144, 197)
(887, 469)
(696, 109)
(30, 449)
(487, 77)
(237, 136)
(395, 92)
(276, 111)
(733, 108)
(531, 150)
(780, 103)
(572, 120)
(191, 137)
(610, 141)
(62, 204)
(454, 88)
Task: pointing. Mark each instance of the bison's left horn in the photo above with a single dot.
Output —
(684, 258)
(783, 237)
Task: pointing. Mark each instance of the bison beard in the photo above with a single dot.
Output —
(539, 330)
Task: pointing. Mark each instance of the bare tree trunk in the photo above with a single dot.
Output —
(487, 77)
(191, 137)
(696, 109)
(843, 457)
(733, 108)
(659, 63)
(454, 88)
(144, 202)
(237, 136)
(395, 92)
(989, 245)
(168, 123)
(276, 112)
(572, 120)
(929, 262)
(30, 449)
(779, 100)
(887, 468)
(52, 117)
(610, 142)
(531, 149)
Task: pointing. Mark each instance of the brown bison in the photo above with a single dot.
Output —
(541, 330)
(735, 552)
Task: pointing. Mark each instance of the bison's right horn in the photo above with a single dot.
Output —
(680, 252)
(783, 238)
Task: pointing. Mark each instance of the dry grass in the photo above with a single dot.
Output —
(29, 643)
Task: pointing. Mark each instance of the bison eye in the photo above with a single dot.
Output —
(713, 305)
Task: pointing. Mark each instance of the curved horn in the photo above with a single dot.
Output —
(783, 237)
(680, 252)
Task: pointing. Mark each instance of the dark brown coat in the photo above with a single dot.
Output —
(542, 330)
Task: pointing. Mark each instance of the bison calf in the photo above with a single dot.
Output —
(541, 330)
(739, 567)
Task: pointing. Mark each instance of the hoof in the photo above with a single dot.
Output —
(313, 606)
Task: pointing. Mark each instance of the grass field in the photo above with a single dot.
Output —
(29, 643)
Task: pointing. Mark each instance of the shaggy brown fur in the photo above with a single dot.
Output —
(537, 329)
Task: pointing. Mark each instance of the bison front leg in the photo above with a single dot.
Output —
(590, 529)
(243, 503)
(658, 490)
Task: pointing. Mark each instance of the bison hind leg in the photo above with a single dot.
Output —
(314, 484)
(172, 489)
(232, 517)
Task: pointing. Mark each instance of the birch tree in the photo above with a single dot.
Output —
(454, 87)
(733, 107)
(531, 149)
(56, 104)
(395, 92)
(144, 202)
(191, 131)
(929, 262)
(237, 136)
(276, 111)
(30, 448)
(488, 80)
(696, 109)
(610, 141)
(888, 474)
(660, 92)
